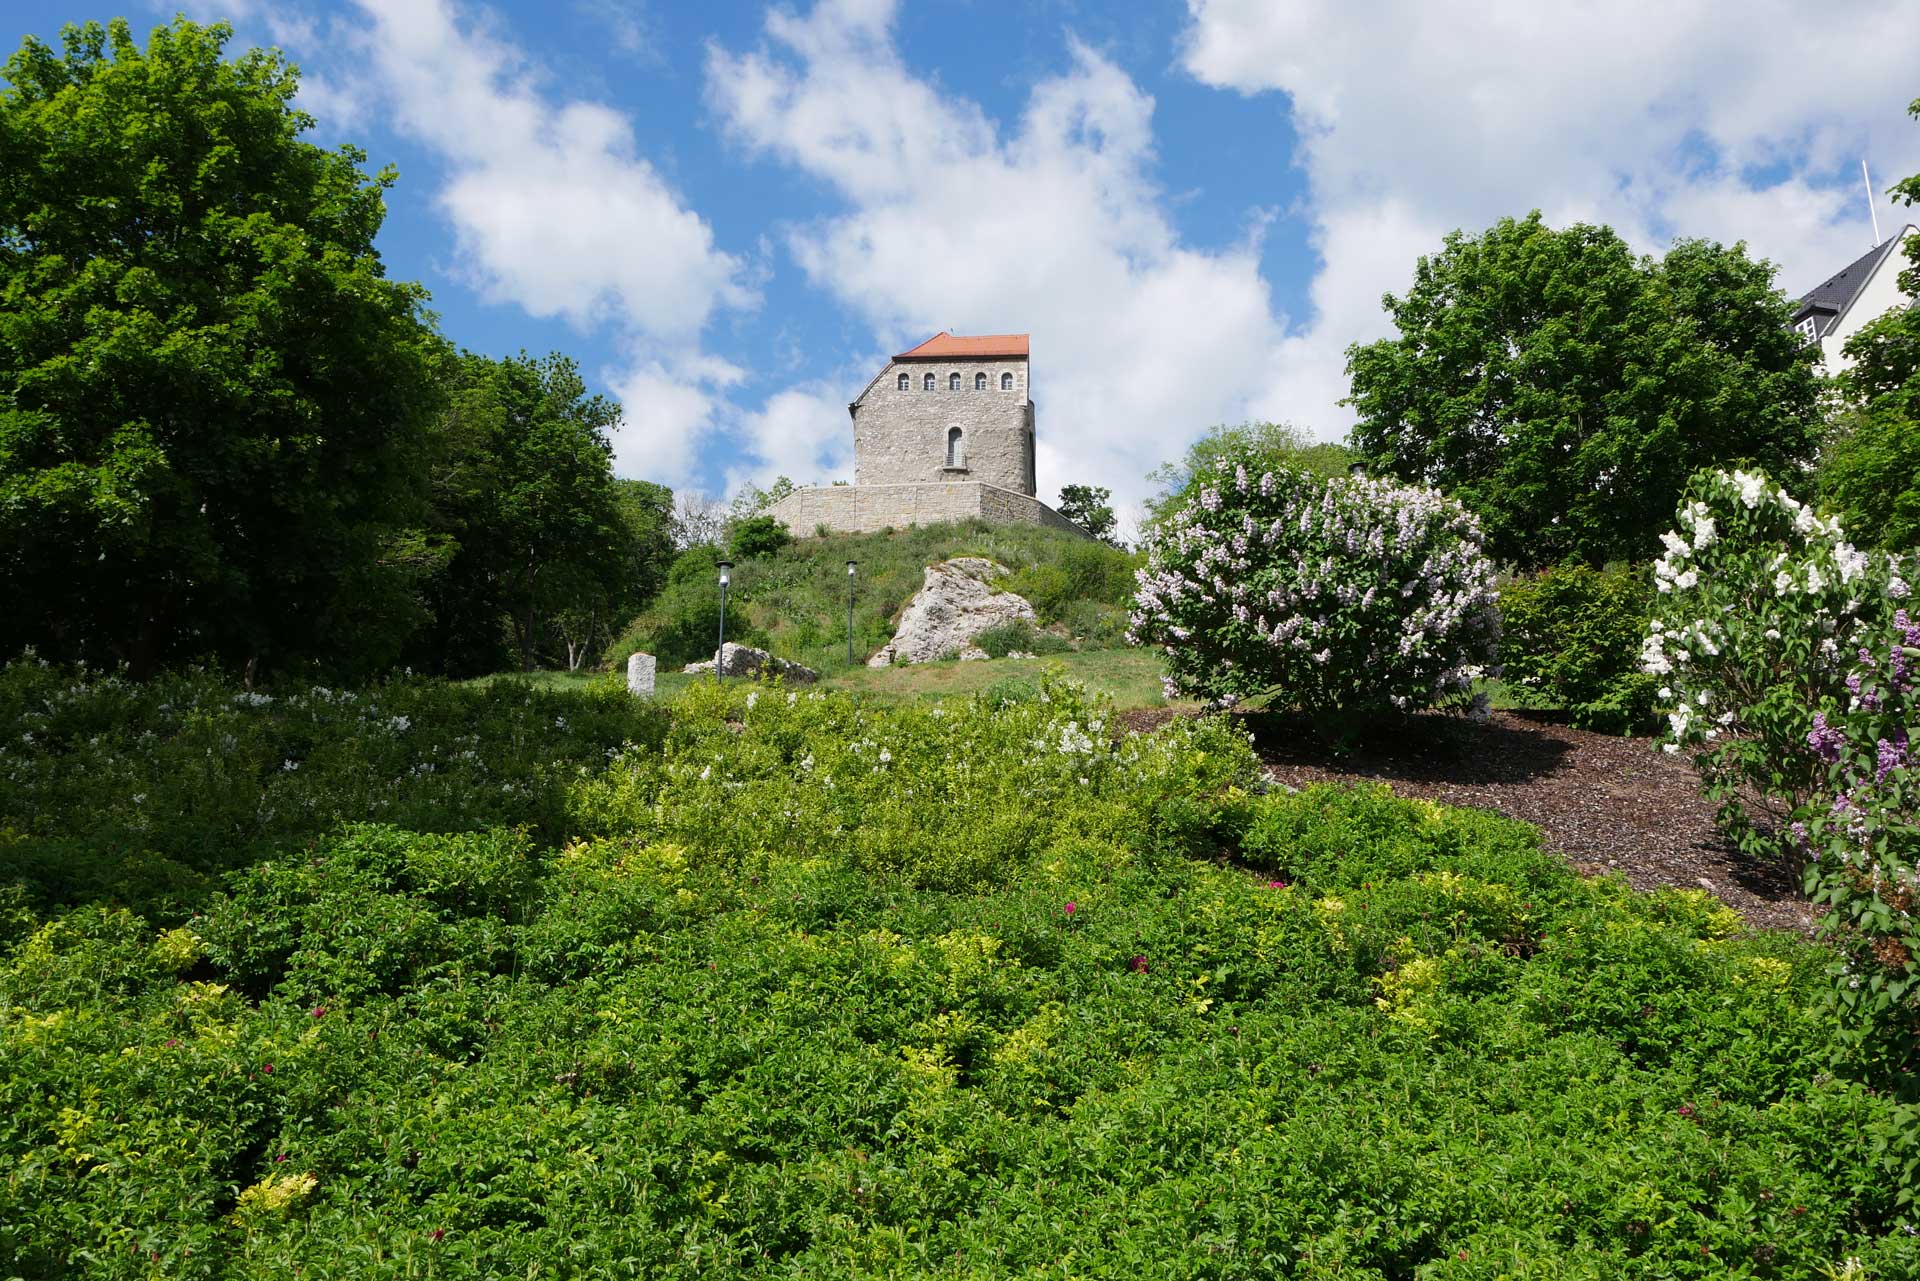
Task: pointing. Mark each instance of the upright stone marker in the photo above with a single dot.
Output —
(640, 674)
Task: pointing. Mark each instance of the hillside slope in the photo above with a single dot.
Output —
(796, 599)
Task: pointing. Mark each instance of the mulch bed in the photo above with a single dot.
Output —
(1605, 804)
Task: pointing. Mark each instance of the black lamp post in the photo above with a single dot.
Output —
(720, 653)
(850, 565)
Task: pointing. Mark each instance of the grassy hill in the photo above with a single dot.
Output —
(795, 600)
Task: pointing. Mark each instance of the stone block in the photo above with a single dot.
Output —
(640, 670)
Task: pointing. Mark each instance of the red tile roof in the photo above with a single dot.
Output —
(946, 346)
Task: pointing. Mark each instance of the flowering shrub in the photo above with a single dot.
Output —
(1346, 596)
(1861, 834)
(1789, 659)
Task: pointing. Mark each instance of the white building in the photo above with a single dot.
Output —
(1860, 292)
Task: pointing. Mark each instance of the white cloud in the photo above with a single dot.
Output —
(802, 433)
(554, 210)
(1662, 118)
(1053, 225)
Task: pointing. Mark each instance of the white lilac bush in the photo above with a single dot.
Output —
(1348, 597)
(1788, 659)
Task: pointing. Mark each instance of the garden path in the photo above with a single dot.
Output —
(1605, 804)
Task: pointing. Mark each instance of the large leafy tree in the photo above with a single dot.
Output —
(1870, 470)
(1565, 390)
(213, 402)
(527, 508)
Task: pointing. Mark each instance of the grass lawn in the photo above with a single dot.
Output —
(1130, 677)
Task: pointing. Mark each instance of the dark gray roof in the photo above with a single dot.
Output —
(1829, 300)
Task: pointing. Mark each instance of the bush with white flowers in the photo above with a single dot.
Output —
(1789, 660)
(1346, 597)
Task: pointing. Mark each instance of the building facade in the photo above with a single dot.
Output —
(1847, 301)
(944, 432)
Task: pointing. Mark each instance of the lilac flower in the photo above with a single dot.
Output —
(1890, 755)
(1825, 740)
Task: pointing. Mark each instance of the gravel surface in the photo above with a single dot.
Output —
(1605, 804)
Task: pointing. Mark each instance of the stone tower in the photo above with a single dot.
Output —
(943, 433)
(950, 410)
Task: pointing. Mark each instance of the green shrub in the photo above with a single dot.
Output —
(146, 794)
(1017, 636)
(756, 536)
(814, 988)
(1570, 636)
(682, 625)
(1096, 625)
(1078, 572)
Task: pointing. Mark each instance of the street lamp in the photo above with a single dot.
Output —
(720, 654)
(850, 565)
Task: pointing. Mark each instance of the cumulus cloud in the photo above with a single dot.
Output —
(1052, 224)
(1662, 118)
(554, 210)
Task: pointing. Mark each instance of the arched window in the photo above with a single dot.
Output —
(979, 382)
(953, 382)
(926, 384)
(1006, 382)
(956, 452)
(905, 382)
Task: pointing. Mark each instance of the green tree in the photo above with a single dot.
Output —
(525, 499)
(1565, 390)
(594, 613)
(213, 404)
(1276, 446)
(1870, 469)
(1088, 507)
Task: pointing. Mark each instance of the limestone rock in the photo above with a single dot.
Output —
(640, 669)
(974, 654)
(745, 660)
(954, 605)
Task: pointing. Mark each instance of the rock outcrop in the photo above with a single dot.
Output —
(955, 604)
(745, 660)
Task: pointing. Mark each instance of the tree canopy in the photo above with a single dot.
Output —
(1089, 507)
(1565, 390)
(1271, 446)
(537, 531)
(213, 403)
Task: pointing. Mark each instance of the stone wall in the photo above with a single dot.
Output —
(865, 509)
(900, 437)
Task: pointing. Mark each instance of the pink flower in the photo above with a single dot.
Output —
(1276, 885)
(282, 1157)
(1686, 1109)
(319, 1011)
(1138, 964)
(268, 1069)
(436, 1234)
(1072, 907)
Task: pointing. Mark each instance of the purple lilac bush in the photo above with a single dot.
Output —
(1348, 597)
(1789, 660)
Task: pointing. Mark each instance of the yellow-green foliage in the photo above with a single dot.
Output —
(810, 988)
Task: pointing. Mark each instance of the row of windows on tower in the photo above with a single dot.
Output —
(929, 382)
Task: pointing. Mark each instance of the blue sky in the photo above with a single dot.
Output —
(731, 213)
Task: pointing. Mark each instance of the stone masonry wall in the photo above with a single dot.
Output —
(865, 509)
(900, 437)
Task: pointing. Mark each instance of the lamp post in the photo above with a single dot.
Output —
(720, 653)
(850, 565)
